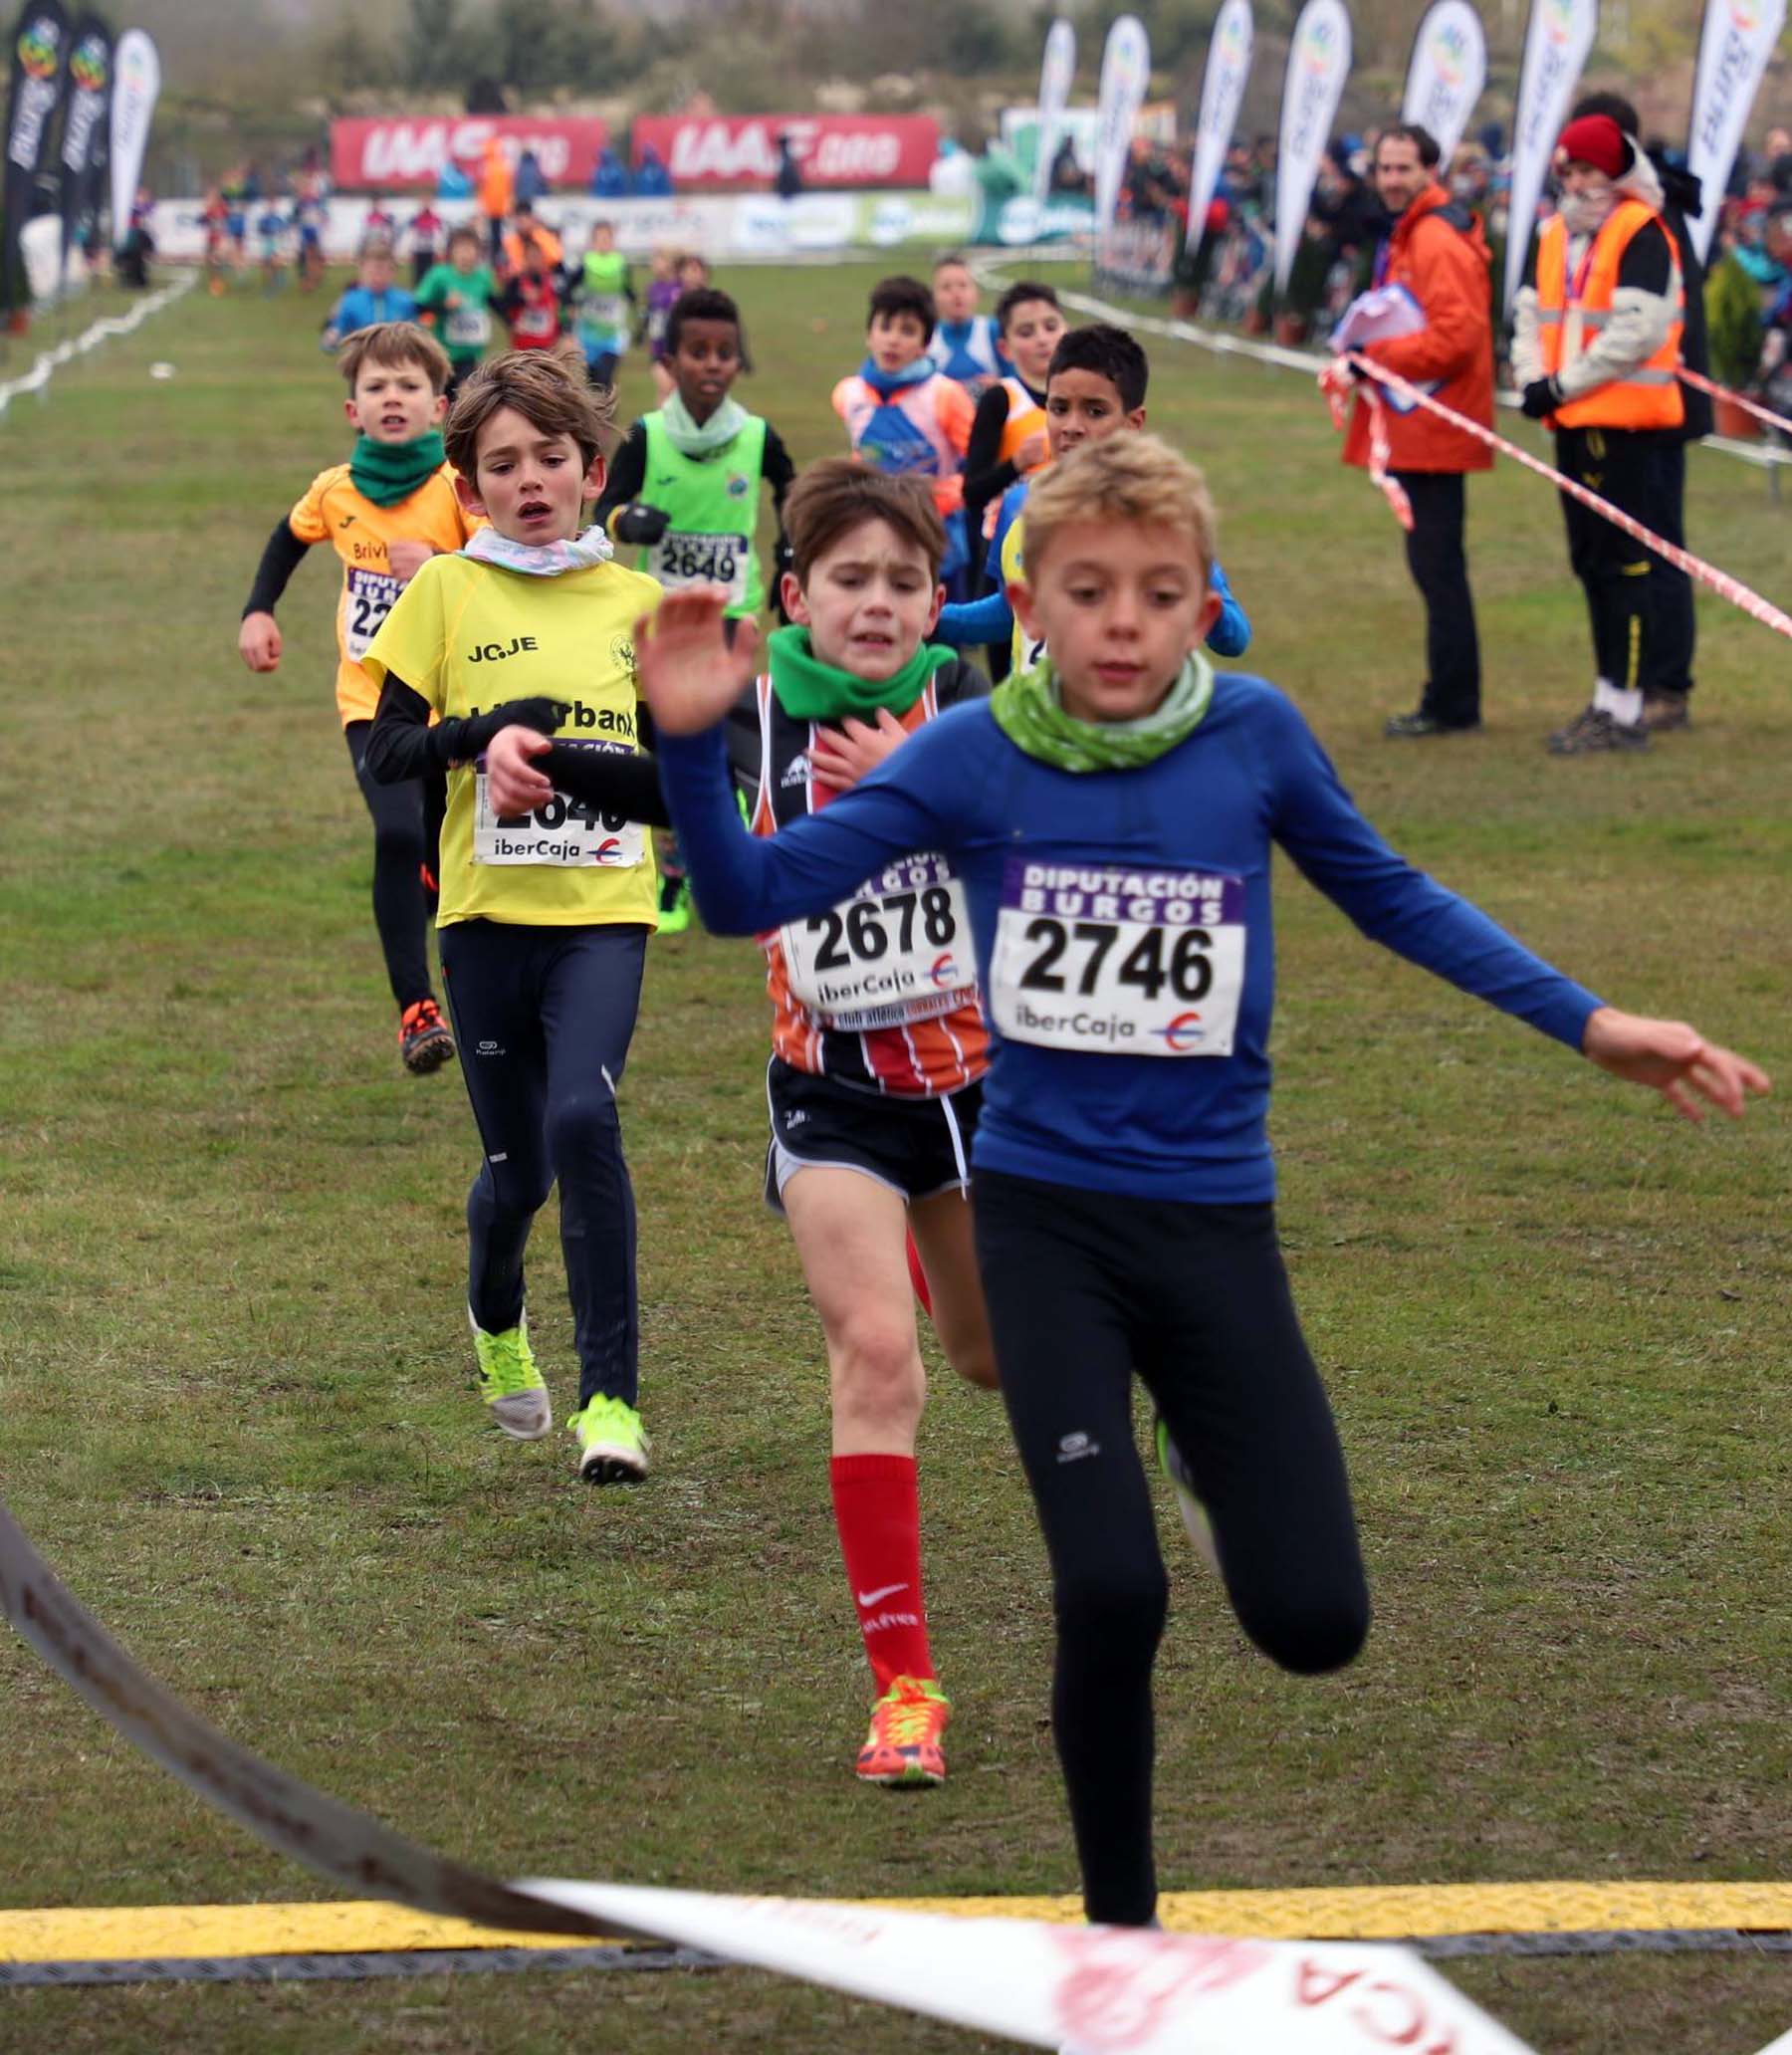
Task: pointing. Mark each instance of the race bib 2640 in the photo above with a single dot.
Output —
(562, 831)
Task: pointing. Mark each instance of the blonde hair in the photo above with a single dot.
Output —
(1136, 479)
(393, 344)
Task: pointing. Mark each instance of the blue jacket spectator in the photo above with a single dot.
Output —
(609, 181)
(531, 181)
(652, 181)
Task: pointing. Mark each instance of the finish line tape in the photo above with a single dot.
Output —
(103, 330)
(1089, 1988)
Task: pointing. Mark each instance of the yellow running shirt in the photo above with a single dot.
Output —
(334, 511)
(466, 636)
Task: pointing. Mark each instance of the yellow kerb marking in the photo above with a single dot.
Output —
(1354, 1913)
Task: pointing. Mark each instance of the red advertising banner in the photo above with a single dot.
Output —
(411, 150)
(710, 151)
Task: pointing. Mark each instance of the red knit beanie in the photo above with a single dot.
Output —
(1598, 140)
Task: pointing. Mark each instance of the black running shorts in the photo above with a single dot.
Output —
(917, 1147)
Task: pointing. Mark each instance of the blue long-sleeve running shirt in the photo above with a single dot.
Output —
(1111, 912)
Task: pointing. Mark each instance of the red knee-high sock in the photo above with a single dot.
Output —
(877, 1508)
(918, 1279)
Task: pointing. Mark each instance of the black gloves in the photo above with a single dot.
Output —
(1541, 396)
(639, 524)
(465, 740)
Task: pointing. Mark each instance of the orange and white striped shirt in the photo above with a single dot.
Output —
(879, 993)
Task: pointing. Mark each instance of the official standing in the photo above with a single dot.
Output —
(1597, 350)
(1437, 251)
(1668, 680)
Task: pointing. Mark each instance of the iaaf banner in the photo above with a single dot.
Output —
(703, 152)
(1222, 90)
(1448, 70)
(84, 122)
(1125, 74)
(1738, 39)
(1556, 43)
(373, 155)
(40, 56)
(1056, 68)
(137, 80)
(1318, 65)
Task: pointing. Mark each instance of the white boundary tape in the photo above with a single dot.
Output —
(1094, 1991)
(1083, 1990)
(1764, 457)
(49, 361)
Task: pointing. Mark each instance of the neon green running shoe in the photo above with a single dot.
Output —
(676, 909)
(1194, 1512)
(903, 1750)
(613, 1443)
(509, 1381)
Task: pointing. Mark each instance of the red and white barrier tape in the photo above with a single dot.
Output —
(1719, 582)
(1700, 383)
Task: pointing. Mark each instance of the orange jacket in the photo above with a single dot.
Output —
(496, 182)
(1572, 312)
(514, 256)
(1447, 270)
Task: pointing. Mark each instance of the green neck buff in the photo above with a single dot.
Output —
(809, 690)
(1030, 711)
(387, 472)
(692, 438)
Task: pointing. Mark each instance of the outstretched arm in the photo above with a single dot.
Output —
(744, 883)
(1318, 823)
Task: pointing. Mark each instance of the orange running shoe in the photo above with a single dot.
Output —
(423, 1038)
(902, 1750)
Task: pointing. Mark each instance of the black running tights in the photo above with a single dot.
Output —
(403, 844)
(1084, 1288)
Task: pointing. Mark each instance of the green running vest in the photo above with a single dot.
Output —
(603, 304)
(714, 507)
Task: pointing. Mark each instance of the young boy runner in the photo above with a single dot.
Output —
(529, 299)
(878, 1048)
(1008, 434)
(603, 299)
(1112, 814)
(384, 513)
(372, 299)
(425, 232)
(684, 489)
(967, 346)
(544, 918)
(663, 289)
(457, 297)
(271, 230)
(1095, 388)
(902, 415)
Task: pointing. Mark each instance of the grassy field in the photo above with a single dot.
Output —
(234, 1397)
